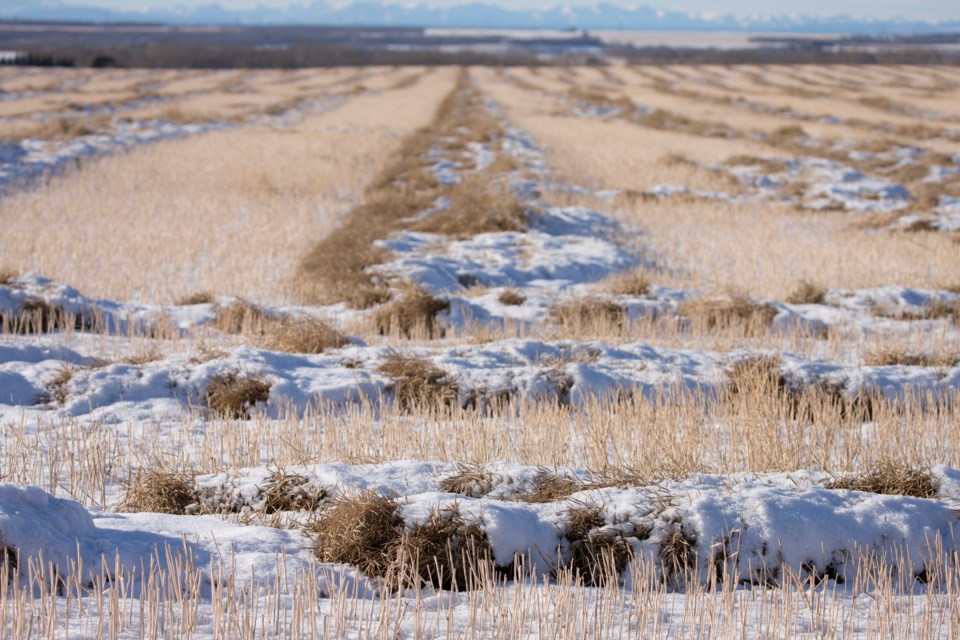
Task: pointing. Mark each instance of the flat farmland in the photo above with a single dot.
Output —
(619, 351)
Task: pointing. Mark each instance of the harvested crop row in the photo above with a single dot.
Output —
(340, 267)
(883, 158)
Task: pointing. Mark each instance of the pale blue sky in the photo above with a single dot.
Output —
(919, 9)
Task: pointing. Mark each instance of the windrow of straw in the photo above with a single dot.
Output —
(342, 267)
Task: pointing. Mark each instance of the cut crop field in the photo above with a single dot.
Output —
(554, 352)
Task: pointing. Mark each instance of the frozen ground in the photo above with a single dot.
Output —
(826, 560)
(29, 159)
(783, 538)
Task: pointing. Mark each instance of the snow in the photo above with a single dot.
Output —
(169, 387)
(757, 529)
(758, 526)
(33, 158)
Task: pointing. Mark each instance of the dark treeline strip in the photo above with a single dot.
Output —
(177, 56)
(38, 60)
(671, 55)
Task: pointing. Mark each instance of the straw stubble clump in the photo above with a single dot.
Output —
(367, 530)
(412, 315)
(418, 384)
(159, 492)
(234, 394)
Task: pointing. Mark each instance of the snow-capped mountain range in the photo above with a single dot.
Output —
(473, 15)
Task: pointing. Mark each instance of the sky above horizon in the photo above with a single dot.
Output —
(880, 9)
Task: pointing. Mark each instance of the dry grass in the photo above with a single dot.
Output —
(201, 297)
(303, 335)
(69, 127)
(478, 206)
(727, 313)
(414, 314)
(898, 355)
(767, 166)
(159, 492)
(233, 394)
(58, 386)
(230, 211)
(336, 269)
(38, 316)
(366, 530)
(583, 314)
(285, 491)
(342, 267)
(11, 562)
(443, 552)
(241, 317)
(551, 487)
(806, 293)
(893, 478)
(361, 530)
(511, 297)
(632, 283)
(418, 384)
(470, 480)
(598, 558)
(678, 552)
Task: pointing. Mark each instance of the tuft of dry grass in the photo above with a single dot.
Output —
(201, 297)
(444, 552)
(303, 335)
(143, 356)
(232, 394)
(727, 313)
(39, 316)
(159, 492)
(897, 355)
(633, 283)
(890, 477)
(470, 480)
(11, 560)
(361, 530)
(678, 552)
(418, 384)
(550, 487)
(412, 315)
(65, 128)
(589, 312)
(240, 317)
(478, 205)
(511, 297)
(595, 557)
(746, 375)
(7, 276)
(285, 491)
(807, 293)
(58, 386)
(786, 135)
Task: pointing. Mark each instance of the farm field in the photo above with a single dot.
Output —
(549, 352)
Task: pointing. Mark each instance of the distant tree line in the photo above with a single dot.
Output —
(790, 55)
(218, 55)
(28, 59)
(300, 55)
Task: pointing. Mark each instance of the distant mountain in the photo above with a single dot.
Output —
(474, 15)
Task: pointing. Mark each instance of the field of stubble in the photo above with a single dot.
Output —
(484, 353)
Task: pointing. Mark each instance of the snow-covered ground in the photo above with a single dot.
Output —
(26, 160)
(753, 544)
(757, 554)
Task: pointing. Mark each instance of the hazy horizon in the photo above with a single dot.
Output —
(880, 9)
